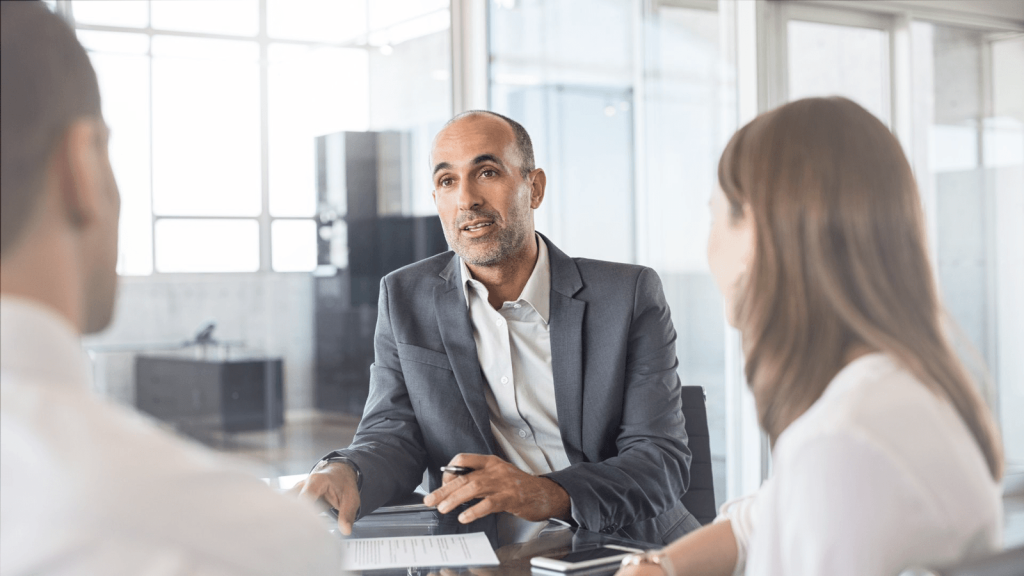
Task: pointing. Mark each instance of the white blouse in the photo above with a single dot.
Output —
(878, 474)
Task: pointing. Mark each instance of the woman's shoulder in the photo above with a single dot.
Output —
(875, 397)
(877, 421)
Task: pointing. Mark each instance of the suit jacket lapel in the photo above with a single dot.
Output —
(457, 336)
(566, 324)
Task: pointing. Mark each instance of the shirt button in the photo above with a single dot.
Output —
(517, 306)
(500, 322)
(522, 433)
(504, 379)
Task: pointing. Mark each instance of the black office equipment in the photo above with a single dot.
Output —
(199, 395)
(700, 498)
(407, 516)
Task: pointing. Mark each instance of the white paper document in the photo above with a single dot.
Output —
(419, 551)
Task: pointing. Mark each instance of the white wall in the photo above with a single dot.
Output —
(271, 313)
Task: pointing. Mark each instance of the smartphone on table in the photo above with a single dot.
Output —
(607, 556)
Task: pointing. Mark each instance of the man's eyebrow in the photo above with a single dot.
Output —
(488, 158)
(478, 160)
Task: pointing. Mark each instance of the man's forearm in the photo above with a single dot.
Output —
(639, 484)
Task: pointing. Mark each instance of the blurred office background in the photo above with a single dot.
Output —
(229, 118)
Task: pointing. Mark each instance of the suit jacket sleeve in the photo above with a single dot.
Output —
(652, 469)
(388, 445)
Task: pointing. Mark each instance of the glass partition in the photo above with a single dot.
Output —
(850, 61)
(970, 106)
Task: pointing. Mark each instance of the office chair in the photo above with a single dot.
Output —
(700, 498)
(1005, 563)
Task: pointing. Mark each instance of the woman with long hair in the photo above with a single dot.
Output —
(884, 454)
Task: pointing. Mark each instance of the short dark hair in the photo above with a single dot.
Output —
(46, 83)
(523, 142)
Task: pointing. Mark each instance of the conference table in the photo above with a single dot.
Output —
(555, 540)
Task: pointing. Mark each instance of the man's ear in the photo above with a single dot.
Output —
(79, 164)
(538, 182)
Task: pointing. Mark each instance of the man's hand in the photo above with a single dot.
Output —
(502, 488)
(336, 484)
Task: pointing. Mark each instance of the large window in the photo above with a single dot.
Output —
(214, 107)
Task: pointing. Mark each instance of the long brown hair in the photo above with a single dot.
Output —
(840, 262)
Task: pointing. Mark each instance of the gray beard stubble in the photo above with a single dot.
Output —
(510, 239)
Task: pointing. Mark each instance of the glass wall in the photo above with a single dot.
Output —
(970, 106)
(851, 61)
(628, 110)
(967, 148)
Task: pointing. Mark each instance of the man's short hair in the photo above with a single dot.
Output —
(523, 143)
(46, 83)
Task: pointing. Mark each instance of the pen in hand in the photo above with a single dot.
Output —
(456, 470)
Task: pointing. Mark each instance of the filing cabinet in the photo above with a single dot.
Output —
(199, 394)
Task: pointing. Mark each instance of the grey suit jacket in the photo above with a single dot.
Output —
(616, 389)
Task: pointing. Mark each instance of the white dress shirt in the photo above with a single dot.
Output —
(878, 474)
(88, 487)
(513, 345)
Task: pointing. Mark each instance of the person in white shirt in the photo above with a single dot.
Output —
(88, 487)
(884, 454)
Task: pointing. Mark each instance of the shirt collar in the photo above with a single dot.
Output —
(536, 293)
(39, 344)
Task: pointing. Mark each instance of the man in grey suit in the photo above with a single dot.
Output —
(552, 378)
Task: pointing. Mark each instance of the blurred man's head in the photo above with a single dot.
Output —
(486, 186)
(59, 202)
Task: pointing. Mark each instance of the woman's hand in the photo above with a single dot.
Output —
(709, 551)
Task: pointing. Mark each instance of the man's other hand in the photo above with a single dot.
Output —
(501, 487)
(336, 484)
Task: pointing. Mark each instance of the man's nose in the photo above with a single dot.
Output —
(469, 197)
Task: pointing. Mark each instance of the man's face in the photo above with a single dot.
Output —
(485, 204)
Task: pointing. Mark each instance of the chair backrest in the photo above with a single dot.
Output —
(1005, 563)
(700, 498)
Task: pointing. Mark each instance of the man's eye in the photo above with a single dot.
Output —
(489, 172)
(445, 182)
